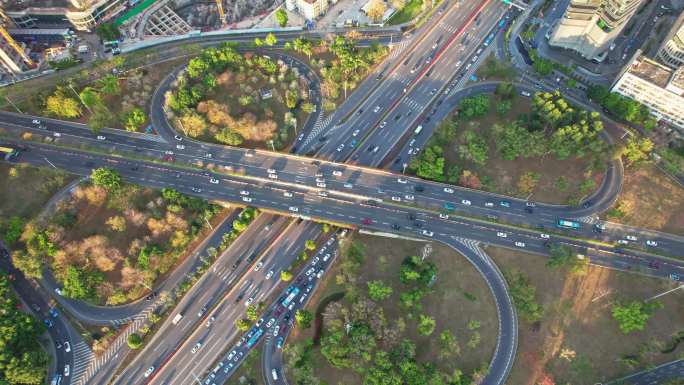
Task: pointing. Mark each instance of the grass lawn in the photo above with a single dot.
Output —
(460, 295)
(407, 13)
(650, 199)
(25, 189)
(577, 341)
(560, 181)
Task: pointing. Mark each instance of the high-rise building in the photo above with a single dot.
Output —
(656, 86)
(14, 57)
(671, 52)
(311, 9)
(83, 15)
(590, 26)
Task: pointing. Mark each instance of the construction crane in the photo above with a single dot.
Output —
(222, 14)
(19, 49)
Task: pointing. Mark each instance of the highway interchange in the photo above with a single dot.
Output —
(362, 205)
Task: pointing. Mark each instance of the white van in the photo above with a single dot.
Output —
(177, 318)
(418, 130)
(274, 373)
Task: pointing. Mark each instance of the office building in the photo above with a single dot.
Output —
(658, 87)
(671, 52)
(82, 15)
(312, 9)
(590, 26)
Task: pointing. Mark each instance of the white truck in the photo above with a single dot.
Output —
(177, 318)
(83, 48)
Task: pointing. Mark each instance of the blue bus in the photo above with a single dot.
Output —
(566, 224)
(292, 293)
(255, 338)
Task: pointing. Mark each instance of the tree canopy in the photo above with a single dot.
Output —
(632, 316)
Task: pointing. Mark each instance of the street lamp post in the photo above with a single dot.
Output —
(403, 168)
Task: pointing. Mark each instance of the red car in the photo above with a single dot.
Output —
(367, 221)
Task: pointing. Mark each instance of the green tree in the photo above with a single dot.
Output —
(426, 325)
(633, 316)
(106, 177)
(242, 324)
(90, 97)
(378, 290)
(29, 264)
(108, 31)
(252, 312)
(62, 106)
(474, 106)
(286, 275)
(281, 17)
(229, 137)
(109, 85)
(100, 118)
(290, 99)
(474, 148)
(303, 318)
(258, 42)
(271, 39)
(411, 299)
(135, 118)
(134, 341)
(503, 107)
(308, 107)
(505, 90)
(523, 293)
(448, 346)
(12, 229)
(429, 164)
(310, 244)
(637, 150)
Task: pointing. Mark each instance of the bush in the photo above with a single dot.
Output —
(134, 341)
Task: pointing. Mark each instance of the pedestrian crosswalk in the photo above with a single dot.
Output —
(87, 365)
(398, 48)
(412, 104)
(446, 27)
(319, 126)
(82, 358)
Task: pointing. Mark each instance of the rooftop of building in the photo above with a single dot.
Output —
(20, 5)
(650, 71)
(678, 78)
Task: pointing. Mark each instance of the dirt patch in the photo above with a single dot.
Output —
(26, 189)
(650, 199)
(577, 340)
(458, 286)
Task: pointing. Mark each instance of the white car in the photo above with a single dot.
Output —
(180, 147)
(149, 371)
(322, 193)
(196, 347)
(402, 181)
(376, 109)
(383, 124)
(489, 204)
(320, 184)
(35, 121)
(178, 137)
(340, 147)
(448, 190)
(269, 274)
(213, 181)
(273, 176)
(167, 152)
(631, 237)
(309, 272)
(294, 209)
(651, 243)
(247, 199)
(443, 216)
(427, 233)
(67, 370)
(320, 274)
(348, 185)
(249, 301)
(337, 173)
(520, 244)
(356, 132)
(287, 194)
(67, 347)
(101, 137)
(245, 193)
(409, 197)
(396, 199)
(623, 242)
(320, 180)
(501, 235)
(466, 202)
(544, 236)
(57, 134)
(326, 257)
(271, 171)
(258, 265)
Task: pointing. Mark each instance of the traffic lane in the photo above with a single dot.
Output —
(280, 314)
(400, 74)
(212, 284)
(274, 201)
(427, 88)
(289, 245)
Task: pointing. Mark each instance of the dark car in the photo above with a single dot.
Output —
(396, 226)
(419, 188)
(411, 217)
